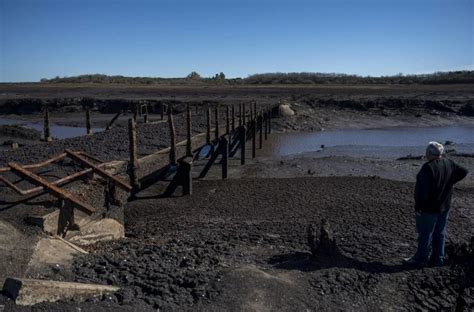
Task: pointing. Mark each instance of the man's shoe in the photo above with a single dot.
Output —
(413, 261)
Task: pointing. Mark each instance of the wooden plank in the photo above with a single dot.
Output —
(38, 165)
(101, 172)
(53, 189)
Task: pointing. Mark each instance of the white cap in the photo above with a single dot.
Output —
(434, 149)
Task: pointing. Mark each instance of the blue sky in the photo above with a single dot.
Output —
(47, 38)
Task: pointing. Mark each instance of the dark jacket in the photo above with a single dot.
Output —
(434, 185)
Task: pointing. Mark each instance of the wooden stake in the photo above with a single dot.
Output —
(243, 116)
(186, 165)
(208, 125)
(88, 121)
(240, 114)
(133, 163)
(260, 131)
(266, 125)
(225, 155)
(233, 117)
(189, 151)
(162, 111)
(270, 121)
(243, 139)
(47, 133)
(227, 119)
(172, 136)
(254, 134)
(216, 123)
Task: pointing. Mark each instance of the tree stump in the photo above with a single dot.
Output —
(324, 244)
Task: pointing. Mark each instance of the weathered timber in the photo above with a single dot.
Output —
(240, 114)
(162, 111)
(101, 172)
(243, 114)
(254, 137)
(189, 148)
(208, 125)
(133, 162)
(227, 119)
(53, 189)
(260, 131)
(270, 121)
(182, 177)
(88, 121)
(243, 139)
(225, 155)
(46, 131)
(233, 117)
(66, 218)
(109, 126)
(266, 124)
(216, 123)
(172, 137)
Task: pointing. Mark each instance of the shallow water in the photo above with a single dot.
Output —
(374, 142)
(57, 131)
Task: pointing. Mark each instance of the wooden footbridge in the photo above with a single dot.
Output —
(218, 142)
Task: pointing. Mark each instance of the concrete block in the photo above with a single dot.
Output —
(97, 231)
(32, 291)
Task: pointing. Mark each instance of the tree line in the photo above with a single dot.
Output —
(451, 77)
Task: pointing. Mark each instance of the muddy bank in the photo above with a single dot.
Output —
(241, 244)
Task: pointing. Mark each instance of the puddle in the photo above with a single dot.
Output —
(374, 142)
(57, 131)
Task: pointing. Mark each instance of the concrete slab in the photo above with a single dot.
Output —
(32, 291)
(97, 231)
(52, 251)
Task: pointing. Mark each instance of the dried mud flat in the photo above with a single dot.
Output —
(241, 245)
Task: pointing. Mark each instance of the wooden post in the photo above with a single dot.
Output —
(133, 163)
(255, 109)
(251, 114)
(240, 114)
(162, 111)
(243, 139)
(243, 116)
(88, 121)
(260, 131)
(172, 136)
(135, 112)
(270, 121)
(189, 151)
(233, 117)
(185, 166)
(145, 118)
(216, 123)
(266, 125)
(227, 119)
(254, 135)
(47, 133)
(208, 124)
(225, 156)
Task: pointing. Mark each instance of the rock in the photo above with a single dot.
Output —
(285, 110)
(97, 231)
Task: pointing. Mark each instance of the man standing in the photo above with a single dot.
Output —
(433, 192)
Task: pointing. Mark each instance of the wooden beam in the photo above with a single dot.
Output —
(101, 172)
(109, 126)
(88, 121)
(47, 133)
(133, 163)
(53, 189)
(189, 148)
(172, 136)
